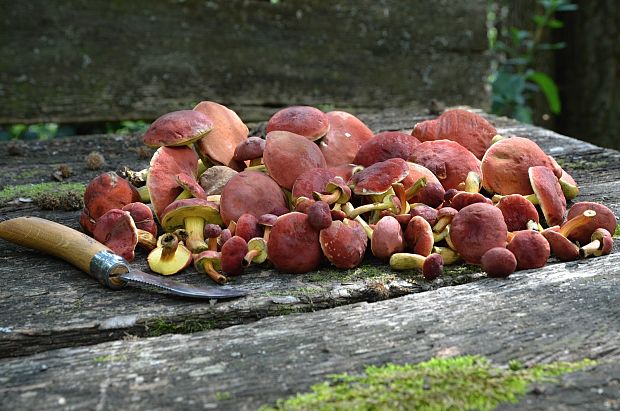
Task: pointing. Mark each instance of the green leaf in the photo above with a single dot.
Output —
(555, 24)
(549, 89)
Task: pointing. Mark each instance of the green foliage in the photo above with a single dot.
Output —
(514, 80)
(46, 131)
(460, 383)
(66, 196)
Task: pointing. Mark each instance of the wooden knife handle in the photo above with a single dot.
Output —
(63, 242)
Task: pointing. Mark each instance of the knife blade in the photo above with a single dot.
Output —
(96, 259)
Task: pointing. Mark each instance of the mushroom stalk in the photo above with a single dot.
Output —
(576, 222)
(601, 244)
(249, 257)
(207, 268)
(591, 248)
(195, 229)
(406, 261)
(367, 208)
(348, 207)
(449, 255)
(330, 198)
(530, 197)
(417, 186)
(473, 182)
(169, 243)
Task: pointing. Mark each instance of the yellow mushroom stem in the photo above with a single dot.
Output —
(438, 236)
(576, 222)
(256, 162)
(195, 229)
(497, 138)
(348, 207)
(401, 194)
(207, 268)
(367, 208)
(145, 196)
(473, 182)
(214, 198)
(406, 261)
(250, 256)
(530, 197)
(442, 223)
(146, 239)
(212, 242)
(330, 198)
(417, 186)
(169, 243)
(449, 255)
(260, 167)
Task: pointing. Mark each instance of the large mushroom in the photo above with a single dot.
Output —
(251, 192)
(448, 160)
(476, 229)
(386, 145)
(344, 243)
(287, 155)
(116, 230)
(506, 163)
(103, 193)
(306, 121)
(191, 214)
(466, 128)
(604, 218)
(293, 245)
(346, 135)
(530, 249)
(218, 147)
(178, 128)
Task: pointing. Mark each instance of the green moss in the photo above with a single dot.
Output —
(367, 271)
(617, 232)
(102, 359)
(582, 164)
(461, 269)
(222, 395)
(460, 383)
(51, 196)
(160, 326)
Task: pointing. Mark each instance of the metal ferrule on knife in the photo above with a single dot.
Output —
(106, 267)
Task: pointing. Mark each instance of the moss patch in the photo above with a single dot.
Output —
(159, 326)
(582, 164)
(460, 383)
(617, 232)
(49, 196)
(367, 271)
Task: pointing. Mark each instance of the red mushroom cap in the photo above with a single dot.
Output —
(233, 252)
(228, 131)
(466, 128)
(379, 177)
(386, 145)
(432, 194)
(530, 248)
(498, 262)
(476, 229)
(517, 211)
(346, 135)
(344, 243)
(549, 193)
(505, 165)
(288, 155)
(293, 245)
(178, 128)
(306, 121)
(142, 217)
(249, 149)
(312, 180)
(604, 218)
(117, 231)
(319, 215)
(463, 199)
(250, 192)
(419, 236)
(560, 246)
(448, 160)
(432, 267)
(387, 238)
(248, 227)
(426, 212)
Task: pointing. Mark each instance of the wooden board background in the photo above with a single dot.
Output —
(83, 60)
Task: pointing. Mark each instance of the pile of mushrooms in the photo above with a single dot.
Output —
(321, 188)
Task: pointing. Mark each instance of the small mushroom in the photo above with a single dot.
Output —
(267, 221)
(386, 145)
(319, 215)
(549, 193)
(476, 229)
(142, 217)
(444, 218)
(530, 249)
(257, 252)
(431, 193)
(211, 233)
(306, 121)
(498, 262)
(209, 262)
(191, 214)
(178, 128)
(601, 244)
(387, 238)
(517, 211)
(561, 247)
(604, 218)
(250, 149)
(218, 147)
(431, 266)
(293, 245)
(448, 160)
(344, 243)
(116, 230)
(466, 128)
(419, 236)
(248, 227)
(426, 212)
(463, 199)
(344, 138)
(233, 253)
(170, 256)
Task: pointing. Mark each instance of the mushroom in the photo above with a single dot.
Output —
(560, 246)
(498, 262)
(103, 193)
(191, 214)
(386, 145)
(476, 229)
(506, 163)
(142, 217)
(211, 233)
(604, 218)
(251, 192)
(431, 266)
(209, 262)
(166, 164)
(319, 215)
(517, 211)
(419, 236)
(233, 253)
(530, 248)
(250, 149)
(214, 179)
(116, 230)
(463, 199)
(293, 244)
(426, 212)
(344, 243)
(178, 128)
(267, 221)
(257, 252)
(466, 128)
(343, 140)
(432, 193)
(288, 155)
(170, 256)
(448, 160)
(306, 121)
(218, 147)
(549, 193)
(449, 255)
(444, 218)
(312, 180)
(387, 238)
(336, 191)
(248, 227)
(601, 244)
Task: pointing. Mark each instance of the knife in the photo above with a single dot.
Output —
(96, 259)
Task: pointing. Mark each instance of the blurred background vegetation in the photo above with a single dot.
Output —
(542, 71)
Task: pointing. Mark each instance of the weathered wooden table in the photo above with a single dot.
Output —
(66, 342)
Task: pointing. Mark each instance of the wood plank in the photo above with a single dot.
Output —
(101, 60)
(48, 304)
(561, 312)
